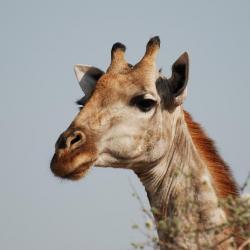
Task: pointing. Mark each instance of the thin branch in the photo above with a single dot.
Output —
(244, 244)
(140, 201)
(245, 183)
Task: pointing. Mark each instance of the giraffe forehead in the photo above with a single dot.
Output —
(125, 84)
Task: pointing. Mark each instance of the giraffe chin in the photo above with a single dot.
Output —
(78, 173)
(70, 167)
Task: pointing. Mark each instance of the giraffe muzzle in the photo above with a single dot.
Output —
(73, 155)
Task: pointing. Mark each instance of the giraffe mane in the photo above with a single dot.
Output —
(225, 184)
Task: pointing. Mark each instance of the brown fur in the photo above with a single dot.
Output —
(219, 170)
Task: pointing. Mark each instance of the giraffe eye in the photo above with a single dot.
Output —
(143, 104)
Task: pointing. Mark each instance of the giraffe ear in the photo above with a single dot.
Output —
(178, 82)
(87, 77)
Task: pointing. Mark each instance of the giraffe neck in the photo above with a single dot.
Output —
(181, 190)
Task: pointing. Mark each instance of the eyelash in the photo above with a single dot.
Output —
(80, 104)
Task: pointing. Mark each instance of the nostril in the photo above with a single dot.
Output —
(70, 140)
(76, 139)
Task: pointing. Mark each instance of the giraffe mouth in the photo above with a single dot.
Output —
(78, 173)
(72, 167)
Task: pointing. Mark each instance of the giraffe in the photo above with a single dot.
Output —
(132, 117)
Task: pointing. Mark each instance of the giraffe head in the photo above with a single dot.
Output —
(126, 114)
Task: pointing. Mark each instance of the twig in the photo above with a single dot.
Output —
(223, 240)
(244, 244)
(140, 201)
(245, 183)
